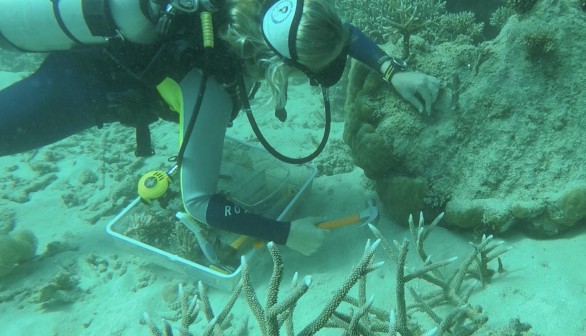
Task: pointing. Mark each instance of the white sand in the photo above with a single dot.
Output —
(544, 283)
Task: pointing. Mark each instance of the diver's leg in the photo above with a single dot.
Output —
(69, 93)
(58, 100)
(201, 167)
(203, 155)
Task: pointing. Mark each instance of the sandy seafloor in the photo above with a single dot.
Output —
(544, 283)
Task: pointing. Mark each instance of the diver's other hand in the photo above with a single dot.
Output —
(304, 236)
(415, 87)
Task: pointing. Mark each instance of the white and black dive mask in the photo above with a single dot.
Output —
(280, 23)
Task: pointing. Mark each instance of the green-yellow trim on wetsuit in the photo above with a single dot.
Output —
(170, 91)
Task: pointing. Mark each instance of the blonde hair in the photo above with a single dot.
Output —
(319, 37)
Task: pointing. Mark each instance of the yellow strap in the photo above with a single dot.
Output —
(170, 91)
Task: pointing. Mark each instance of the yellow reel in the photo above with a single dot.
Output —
(153, 185)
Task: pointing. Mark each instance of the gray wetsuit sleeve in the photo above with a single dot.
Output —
(200, 172)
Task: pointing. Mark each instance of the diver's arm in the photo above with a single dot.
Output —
(301, 235)
(226, 215)
(417, 88)
(365, 50)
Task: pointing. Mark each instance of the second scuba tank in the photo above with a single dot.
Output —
(39, 26)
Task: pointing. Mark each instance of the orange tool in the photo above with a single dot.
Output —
(367, 215)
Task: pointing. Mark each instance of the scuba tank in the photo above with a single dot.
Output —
(40, 26)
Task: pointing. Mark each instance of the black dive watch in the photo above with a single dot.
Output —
(397, 65)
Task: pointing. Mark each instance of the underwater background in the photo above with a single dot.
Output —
(501, 155)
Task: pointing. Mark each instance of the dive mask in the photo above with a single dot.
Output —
(280, 23)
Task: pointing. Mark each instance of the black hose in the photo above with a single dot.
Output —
(193, 118)
(271, 149)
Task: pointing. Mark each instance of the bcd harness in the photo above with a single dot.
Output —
(190, 45)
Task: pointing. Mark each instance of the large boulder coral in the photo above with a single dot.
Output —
(15, 249)
(504, 146)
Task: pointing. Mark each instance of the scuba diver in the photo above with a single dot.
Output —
(189, 61)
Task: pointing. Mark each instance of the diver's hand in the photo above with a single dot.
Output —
(304, 236)
(417, 88)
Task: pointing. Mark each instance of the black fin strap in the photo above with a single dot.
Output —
(144, 147)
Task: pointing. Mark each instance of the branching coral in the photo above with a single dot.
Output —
(383, 17)
(277, 313)
(409, 17)
(540, 45)
(190, 310)
(365, 14)
(459, 26)
(500, 16)
(383, 20)
(521, 6)
(451, 290)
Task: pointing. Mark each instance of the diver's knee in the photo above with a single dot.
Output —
(197, 206)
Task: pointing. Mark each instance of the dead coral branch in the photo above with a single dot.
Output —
(447, 290)
(451, 290)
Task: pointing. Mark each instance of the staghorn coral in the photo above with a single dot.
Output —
(500, 16)
(540, 45)
(450, 290)
(521, 6)
(411, 17)
(399, 20)
(381, 18)
(189, 312)
(365, 319)
(365, 14)
(460, 26)
(274, 314)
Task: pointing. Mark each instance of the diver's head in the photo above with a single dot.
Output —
(308, 35)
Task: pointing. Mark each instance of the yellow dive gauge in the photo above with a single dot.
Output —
(153, 185)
